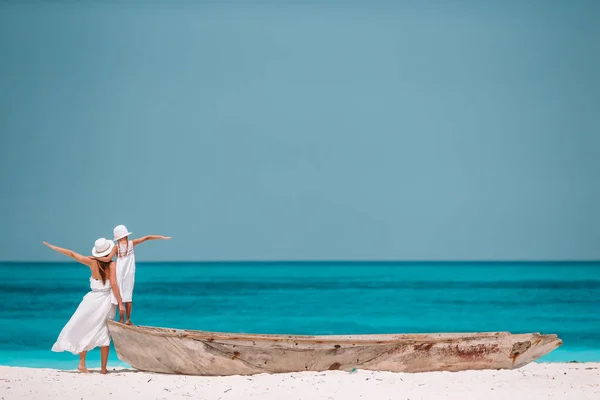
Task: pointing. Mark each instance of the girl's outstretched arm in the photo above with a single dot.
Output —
(149, 237)
(109, 257)
(70, 253)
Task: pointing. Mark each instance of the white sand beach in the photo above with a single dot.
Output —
(576, 381)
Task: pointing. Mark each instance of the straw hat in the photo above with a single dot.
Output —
(102, 247)
(120, 232)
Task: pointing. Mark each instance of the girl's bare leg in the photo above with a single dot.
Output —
(104, 358)
(82, 367)
(121, 315)
(128, 308)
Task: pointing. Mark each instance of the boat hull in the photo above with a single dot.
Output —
(188, 352)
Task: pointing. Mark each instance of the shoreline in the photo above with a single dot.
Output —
(534, 381)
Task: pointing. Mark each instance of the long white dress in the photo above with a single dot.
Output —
(87, 327)
(125, 272)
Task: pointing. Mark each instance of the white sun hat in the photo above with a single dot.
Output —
(120, 232)
(102, 247)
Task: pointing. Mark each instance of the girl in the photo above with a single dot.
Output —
(87, 327)
(126, 266)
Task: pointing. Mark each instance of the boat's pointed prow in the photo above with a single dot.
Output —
(540, 345)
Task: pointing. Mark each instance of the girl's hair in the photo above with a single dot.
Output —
(102, 268)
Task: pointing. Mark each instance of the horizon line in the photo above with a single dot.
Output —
(332, 261)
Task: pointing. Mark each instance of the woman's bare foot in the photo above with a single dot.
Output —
(128, 322)
(103, 371)
(83, 369)
(121, 320)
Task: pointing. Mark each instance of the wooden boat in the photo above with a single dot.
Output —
(190, 352)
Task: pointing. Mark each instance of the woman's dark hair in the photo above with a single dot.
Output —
(102, 268)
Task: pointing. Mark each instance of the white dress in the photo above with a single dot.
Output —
(87, 327)
(125, 272)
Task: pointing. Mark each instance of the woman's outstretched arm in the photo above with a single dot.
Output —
(70, 253)
(149, 237)
(115, 287)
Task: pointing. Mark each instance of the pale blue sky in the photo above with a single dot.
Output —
(376, 130)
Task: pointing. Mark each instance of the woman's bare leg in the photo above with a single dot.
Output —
(128, 308)
(82, 367)
(104, 358)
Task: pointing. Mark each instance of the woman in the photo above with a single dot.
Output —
(87, 327)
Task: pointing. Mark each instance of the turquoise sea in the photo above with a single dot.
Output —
(313, 298)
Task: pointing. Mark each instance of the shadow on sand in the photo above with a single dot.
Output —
(96, 371)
